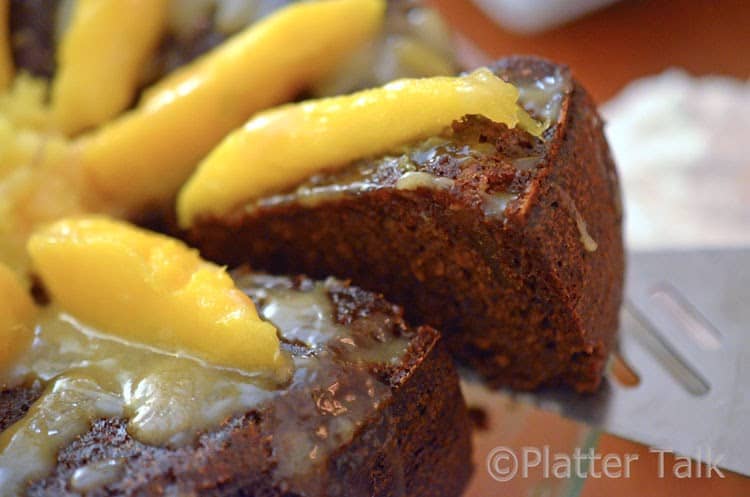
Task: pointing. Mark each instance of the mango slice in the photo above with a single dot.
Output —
(101, 58)
(281, 147)
(144, 157)
(16, 315)
(6, 60)
(154, 290)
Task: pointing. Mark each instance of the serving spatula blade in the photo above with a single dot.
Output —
(685, 334)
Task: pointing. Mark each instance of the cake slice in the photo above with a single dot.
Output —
(162, 374)
(373, 409)
(508, 243)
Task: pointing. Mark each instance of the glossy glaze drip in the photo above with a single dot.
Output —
(588, 242)
(586, 239)
(543, 97)
(169, 400)
(97, 475)
(417, 179)
(494, 204)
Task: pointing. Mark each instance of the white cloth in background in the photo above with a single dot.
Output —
(682, 145)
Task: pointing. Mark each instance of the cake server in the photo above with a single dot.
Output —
(685, 339)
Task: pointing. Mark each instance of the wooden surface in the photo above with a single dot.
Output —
(632, 38)
(606, 50)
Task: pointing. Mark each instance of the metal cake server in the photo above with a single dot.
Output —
(685, 334)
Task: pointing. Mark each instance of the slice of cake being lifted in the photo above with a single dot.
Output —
(507, 239)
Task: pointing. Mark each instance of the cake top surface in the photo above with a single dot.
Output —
(282, 147)
(488, 164)
(343, 342)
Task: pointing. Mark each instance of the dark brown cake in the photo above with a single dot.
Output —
(374, 409)
(509, 244)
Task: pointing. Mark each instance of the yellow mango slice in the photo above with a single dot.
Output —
(144, 157)
(6, 60)
(16, 315)
(101, 58)
(154, 290)
(282, 147)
